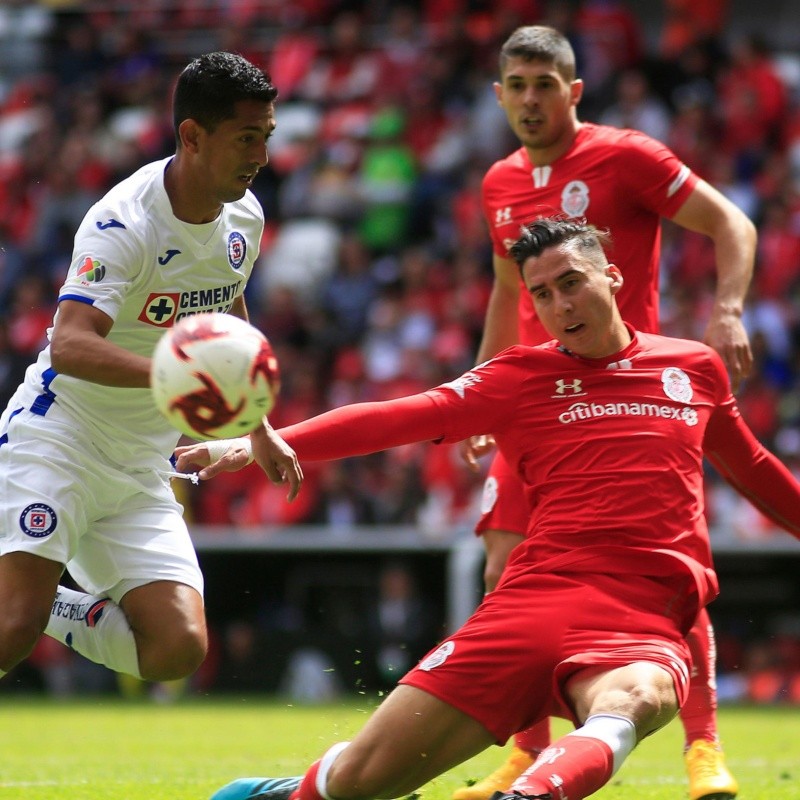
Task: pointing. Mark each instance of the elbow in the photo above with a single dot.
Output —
(58, 356)
(63, 354)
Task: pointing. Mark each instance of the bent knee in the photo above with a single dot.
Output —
(652, 706)
(177, 657)
(19, 633)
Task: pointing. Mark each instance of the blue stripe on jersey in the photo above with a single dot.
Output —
(4, 437)
(78, 297)
(42, 403)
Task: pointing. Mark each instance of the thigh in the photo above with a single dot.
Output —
(498, 667)
(410, 739)
(28, 586)
(164, 611)
(144, 540)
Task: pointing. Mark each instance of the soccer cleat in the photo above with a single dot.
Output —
(520, 796)
(709, 778)
(498, 781)
(258, 789)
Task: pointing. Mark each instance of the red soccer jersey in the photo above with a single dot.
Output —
(620, 180)
(610, 449)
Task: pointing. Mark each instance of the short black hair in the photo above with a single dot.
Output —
(540, 43)
(542, 234)
(210, 86)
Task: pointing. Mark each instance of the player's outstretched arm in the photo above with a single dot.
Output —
(752, 470)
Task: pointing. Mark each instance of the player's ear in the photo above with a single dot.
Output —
(615, 278)
(498, 92)
(576, 91)
(189, 131)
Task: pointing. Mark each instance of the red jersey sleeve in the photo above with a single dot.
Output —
(362, 428)
(751, 469)
(450, 412)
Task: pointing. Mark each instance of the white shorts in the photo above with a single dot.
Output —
(61, 499)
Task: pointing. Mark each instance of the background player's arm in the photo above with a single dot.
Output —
(709, 212)
(501, 326)
(500, 330)
(79, 348)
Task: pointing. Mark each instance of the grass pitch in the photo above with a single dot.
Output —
(103, 749)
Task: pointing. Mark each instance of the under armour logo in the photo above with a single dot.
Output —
(575, 387)
(503, 215)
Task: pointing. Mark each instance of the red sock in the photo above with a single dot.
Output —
(307, 790)
(570, 769)
(534, 739)
(699, 712)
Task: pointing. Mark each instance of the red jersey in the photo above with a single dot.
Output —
(620, 180)
(609, 449)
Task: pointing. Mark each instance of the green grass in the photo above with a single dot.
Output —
(103, 749)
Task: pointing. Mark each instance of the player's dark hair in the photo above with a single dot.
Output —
(540, 43)
(549, 232)
(210, 86)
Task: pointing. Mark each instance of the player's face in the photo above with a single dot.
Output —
(231, 155)
(574, 299)
(539, 104)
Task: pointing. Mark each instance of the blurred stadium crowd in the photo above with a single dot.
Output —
(375, 266)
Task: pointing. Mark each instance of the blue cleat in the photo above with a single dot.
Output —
(258, 789)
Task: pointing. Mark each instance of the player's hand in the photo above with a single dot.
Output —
(727, 335)
(473, 448)
(200, 458)
(276, 458)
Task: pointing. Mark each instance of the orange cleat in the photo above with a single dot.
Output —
(709, 778)
(499, 780)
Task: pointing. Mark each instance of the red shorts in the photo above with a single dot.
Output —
(508, 665)
(504, 505)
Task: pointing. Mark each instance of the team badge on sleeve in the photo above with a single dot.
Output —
(437, 657)
(38, 520)
(677, 385)
(237, 247)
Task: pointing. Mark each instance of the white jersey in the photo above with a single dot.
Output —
(145, 269)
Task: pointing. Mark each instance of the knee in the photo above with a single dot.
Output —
(178, 656)
(19, 632)
(652, 706)
(350, 780)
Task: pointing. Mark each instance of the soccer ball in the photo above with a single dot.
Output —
(214, 376)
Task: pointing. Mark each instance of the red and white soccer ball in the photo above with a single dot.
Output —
(214, 376)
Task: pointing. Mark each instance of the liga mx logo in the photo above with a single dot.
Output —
(91, 270)
(237, 248)
(38, 520)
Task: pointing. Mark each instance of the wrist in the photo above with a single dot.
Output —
(727, 309)
(217, 448)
